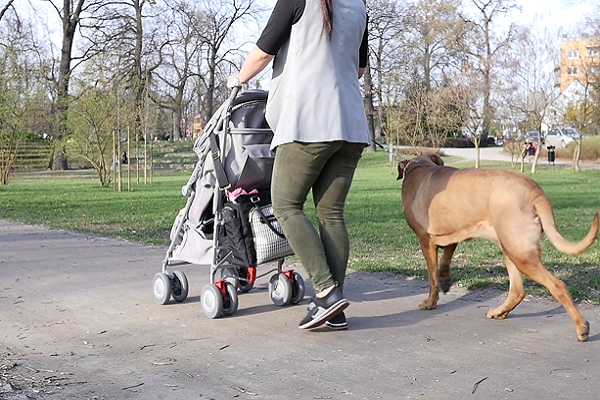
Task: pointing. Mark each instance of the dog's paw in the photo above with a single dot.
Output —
(584, 335)
(445, 284)
(497, 313)
(427, 305)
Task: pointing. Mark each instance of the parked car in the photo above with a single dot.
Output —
(533, 136)
(556, 137)
(559, 138)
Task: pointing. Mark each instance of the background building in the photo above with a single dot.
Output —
(579, 61)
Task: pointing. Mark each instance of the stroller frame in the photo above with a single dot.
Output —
(220, 297)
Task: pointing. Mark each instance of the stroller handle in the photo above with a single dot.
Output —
(234, 93)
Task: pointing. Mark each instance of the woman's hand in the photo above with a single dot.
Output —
(256, 61)
(234, 81)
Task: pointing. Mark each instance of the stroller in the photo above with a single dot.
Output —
(228, 222)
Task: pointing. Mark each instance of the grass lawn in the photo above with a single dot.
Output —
(380, 238)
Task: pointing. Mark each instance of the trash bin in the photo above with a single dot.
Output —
(551, 154)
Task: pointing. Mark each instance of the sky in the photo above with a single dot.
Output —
(568, 14)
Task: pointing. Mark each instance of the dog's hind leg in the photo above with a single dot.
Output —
(431, 254)
(516, 292)
(444, 277)
(537, 272)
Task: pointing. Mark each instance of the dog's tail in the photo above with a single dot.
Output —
(546, 215)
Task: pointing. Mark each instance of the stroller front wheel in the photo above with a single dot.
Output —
(162, 288)
(179, 286)
(212, 301)
(280, 289)
(298, 289)
(231, 300)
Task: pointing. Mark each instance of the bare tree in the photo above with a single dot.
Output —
(5, 8)
(386, 57)
(23, 100)
(92, 120)
(581, 113)
(470, 104)
(484, 45)
(70, 16)
(530, 87)
(369, 107)
(220, 18)
(433, 31)
(405, 120)
(177, 52)
(444, 116)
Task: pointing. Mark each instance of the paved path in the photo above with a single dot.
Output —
(498, 154)
(78, 321)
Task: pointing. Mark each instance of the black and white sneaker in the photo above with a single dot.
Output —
(337, 323)
(324, 309)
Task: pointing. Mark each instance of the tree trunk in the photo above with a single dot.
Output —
(139, 85)
(210, 90)
(70, 20)
(369, 109)
(577, 156)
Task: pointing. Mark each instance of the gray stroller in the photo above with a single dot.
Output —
(227, 222)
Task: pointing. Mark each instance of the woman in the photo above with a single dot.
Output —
(316, 112)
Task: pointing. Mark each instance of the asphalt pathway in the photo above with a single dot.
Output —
(78, 320)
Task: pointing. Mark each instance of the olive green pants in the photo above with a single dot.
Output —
(327, 169)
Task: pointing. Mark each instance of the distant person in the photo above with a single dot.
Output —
(124, 159)
(316, 111)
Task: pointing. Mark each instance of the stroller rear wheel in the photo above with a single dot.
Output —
(298, 289)
(212, 301)
(244, 283)
(162, 288)
(232, 276)
(179, 286)
(231, 301)
(280, 289)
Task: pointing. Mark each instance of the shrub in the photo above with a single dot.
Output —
(590, 150)
(458, 142)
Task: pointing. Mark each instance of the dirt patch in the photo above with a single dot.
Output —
(21, 380)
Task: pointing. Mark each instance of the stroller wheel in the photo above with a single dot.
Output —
(280, 289)
(232, 276)
(162, 288)
(230, 302)
(179, 286)
(212, 301)
(298, 289)
(243, 284)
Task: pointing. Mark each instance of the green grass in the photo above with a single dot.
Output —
(380, 238)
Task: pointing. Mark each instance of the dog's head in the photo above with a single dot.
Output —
(405, 165)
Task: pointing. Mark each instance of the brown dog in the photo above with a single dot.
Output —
(445, 206)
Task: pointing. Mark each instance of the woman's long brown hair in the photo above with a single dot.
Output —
(327, 6)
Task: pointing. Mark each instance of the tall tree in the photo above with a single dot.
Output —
(385, 55)
(220, 19)
(433, 31)
(70, 17)
(529, 87)
(177, 51)
(484, 42)
(23, 100)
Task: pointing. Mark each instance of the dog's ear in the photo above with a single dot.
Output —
(437, 160)
(401, 165)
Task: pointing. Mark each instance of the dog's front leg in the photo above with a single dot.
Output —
(430, 253)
